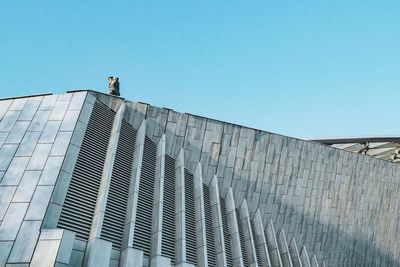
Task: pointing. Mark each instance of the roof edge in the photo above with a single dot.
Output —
(25, 96)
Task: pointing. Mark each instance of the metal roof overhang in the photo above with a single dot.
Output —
(382, 147)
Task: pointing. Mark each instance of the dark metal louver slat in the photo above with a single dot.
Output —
(168, 226)
(77, 211)
(242, 245)
(190, 221)
(209, 228)
(117, 201)
(76, 217)
(227, 240)
(142, 235)
(84, 210)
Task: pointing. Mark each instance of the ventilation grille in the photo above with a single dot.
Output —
(142, 236)
(168, 226)
(242, 246)
(190, 221)
(227, 240)
(117, 201)
(209, 227)
(255, 243)
(80, 201)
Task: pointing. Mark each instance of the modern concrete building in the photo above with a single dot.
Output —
(90, 179)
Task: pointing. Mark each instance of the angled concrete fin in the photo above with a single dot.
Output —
(273, 249)
(201, 243)
(180, 226)
(134, 187)
(237, 257)
(314, 262)
(260, 242)
(217, 223)
(305, 260)
(294, 254)
(102, 197)
(155, 247)
(283, 249)
(247, 234)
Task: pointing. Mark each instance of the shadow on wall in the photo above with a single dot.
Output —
(290, 199)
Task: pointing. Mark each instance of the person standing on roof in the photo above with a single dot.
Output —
(113, 86)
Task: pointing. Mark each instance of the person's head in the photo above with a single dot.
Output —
(112, 79)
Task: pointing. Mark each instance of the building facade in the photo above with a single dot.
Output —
(90, 179)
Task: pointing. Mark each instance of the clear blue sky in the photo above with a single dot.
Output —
(299, 68)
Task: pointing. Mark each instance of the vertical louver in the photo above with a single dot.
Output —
(209, 227)
(80, 201)
(242, 245)
(114, 219)
(142, 236)
(168, 219)
(227, 241)
(255, 243)
(190, 219)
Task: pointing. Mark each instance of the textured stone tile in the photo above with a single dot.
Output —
(61, 188)
(58, 112)
(48, 102)
(6, 155)
(12, 221)
(5, 248)
(79, 245)
(27, 186)
(45, 253)
(79, 133)
(98, 252)
(3, 137)
(70, 119)
(50, 132)
(9, 119)
(76, 258)
(18, 104)
(6, 193)
(38, 205)
(15, 170)
(28, 144)
(114, 263)
(29, 110)
(61, 144)
(17, 132)
(4, 105)
(39, 121)
(39, 156)
(65, 97)
(51, 170)
(77, 101)
(86, 112)
(70, 159)
(90, 98)
(52, 234)
(67, 243)
(52, 216)
(25, 243)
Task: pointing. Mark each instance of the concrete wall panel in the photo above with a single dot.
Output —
(35, 136)
(332, 201)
